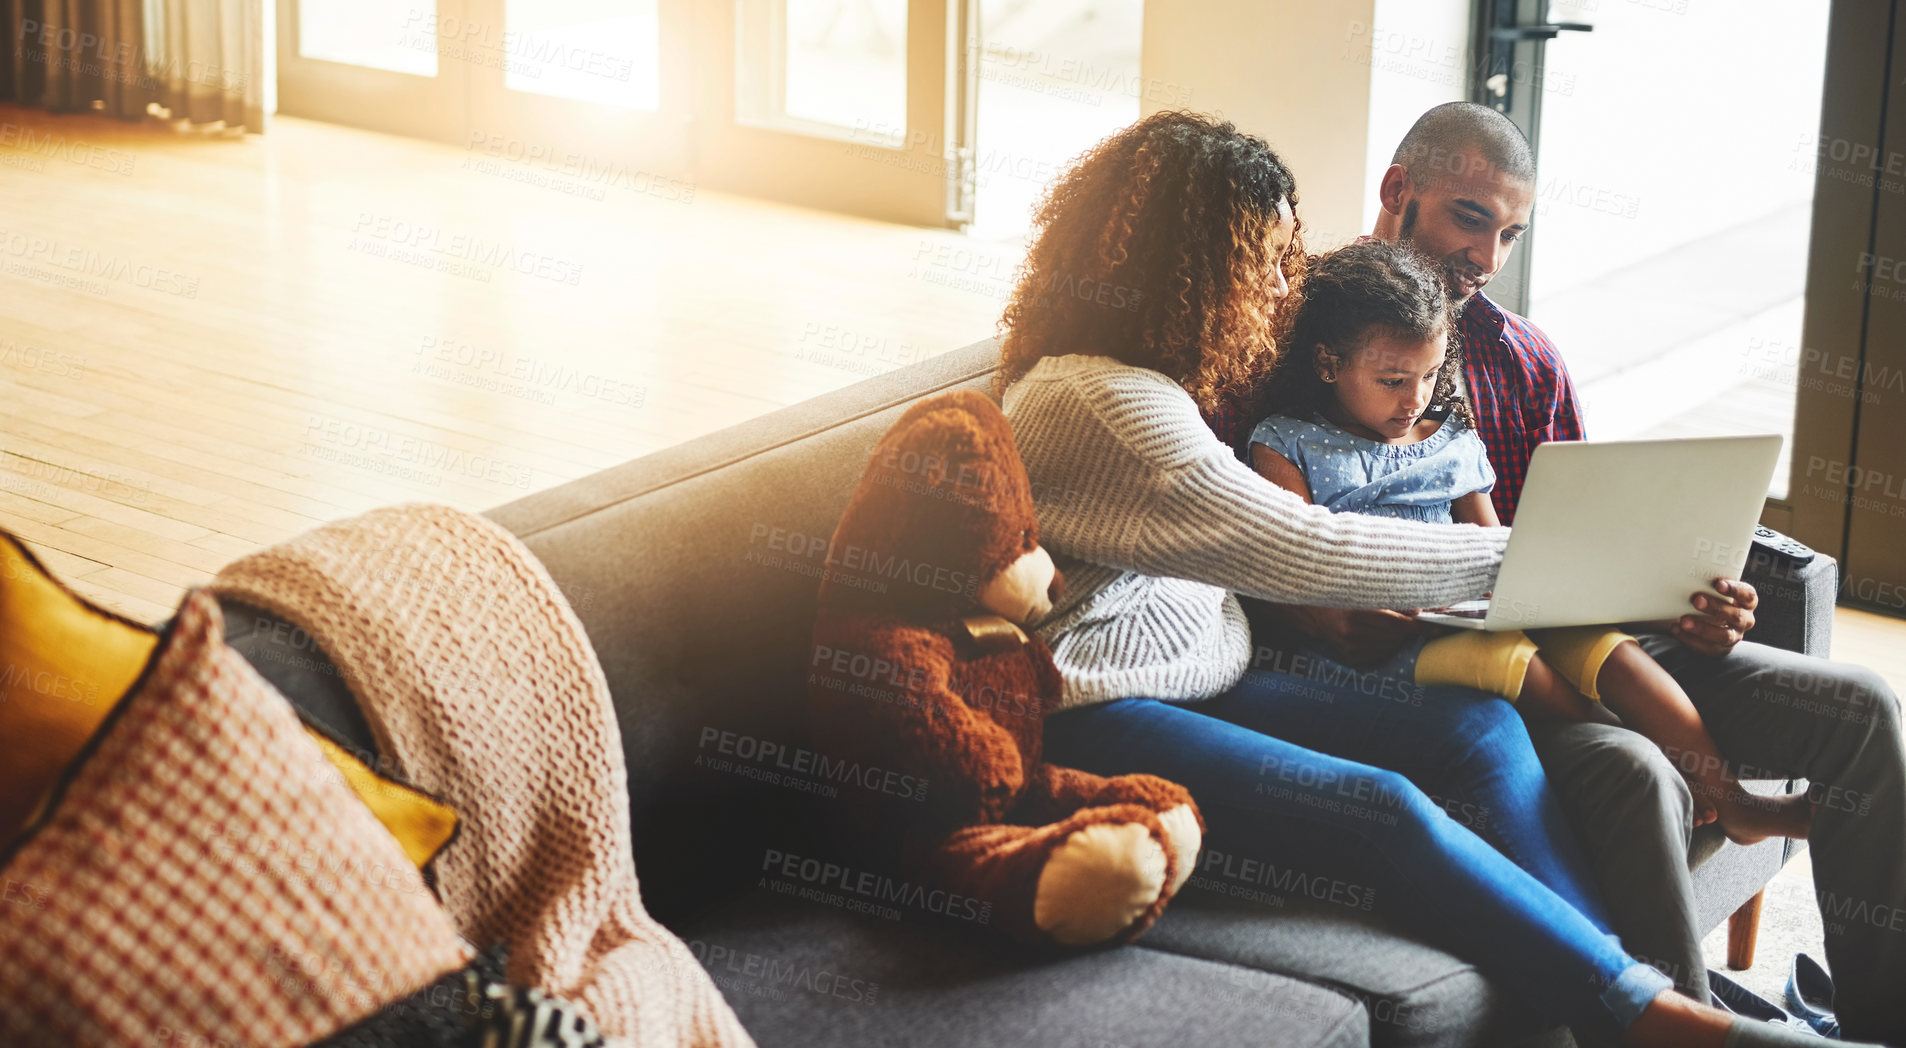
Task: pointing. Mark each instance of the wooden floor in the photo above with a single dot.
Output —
(210, 344)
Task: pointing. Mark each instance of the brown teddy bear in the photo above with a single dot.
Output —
(920, 665)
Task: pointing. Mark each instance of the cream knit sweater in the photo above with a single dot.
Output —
(1156, 524)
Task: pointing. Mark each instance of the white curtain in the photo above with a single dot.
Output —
(204, 60)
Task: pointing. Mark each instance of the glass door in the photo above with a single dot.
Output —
(592, 90)
(1667, 255)
(373, 64)
(858, 106)
(1056, 77)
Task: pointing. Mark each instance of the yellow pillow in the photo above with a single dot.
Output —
(421, 823)
(65, 663)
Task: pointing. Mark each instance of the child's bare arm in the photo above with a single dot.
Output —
(1474, 508)
(1279, 470)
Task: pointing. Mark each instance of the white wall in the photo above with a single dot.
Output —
(1294, 72)
(1331, 84)
(1419, 57)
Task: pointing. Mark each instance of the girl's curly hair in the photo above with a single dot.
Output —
(1152, 249)
(1350, 294)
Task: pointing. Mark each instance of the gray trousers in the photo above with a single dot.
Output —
(1774, 714)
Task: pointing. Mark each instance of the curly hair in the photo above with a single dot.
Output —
(1153, 249)
(1350, 294)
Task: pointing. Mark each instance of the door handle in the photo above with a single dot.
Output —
(1545, 31)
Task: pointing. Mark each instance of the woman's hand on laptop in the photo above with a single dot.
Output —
(1719, 625)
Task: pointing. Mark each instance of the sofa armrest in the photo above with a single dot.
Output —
(1796, 601)
(1795, 613)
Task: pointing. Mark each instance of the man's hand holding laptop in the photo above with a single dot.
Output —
(1720, 625)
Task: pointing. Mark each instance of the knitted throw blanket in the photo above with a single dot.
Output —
(481, 687)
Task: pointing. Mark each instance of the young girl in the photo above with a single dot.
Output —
(1366, 420)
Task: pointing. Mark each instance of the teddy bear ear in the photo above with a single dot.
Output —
(953, 453)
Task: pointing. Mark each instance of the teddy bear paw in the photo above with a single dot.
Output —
(1181, 831)
(1097, 882)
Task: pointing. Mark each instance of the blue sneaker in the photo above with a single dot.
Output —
(1740, 1000)
(1810, 995)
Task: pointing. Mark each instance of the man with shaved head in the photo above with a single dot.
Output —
(1460, 189)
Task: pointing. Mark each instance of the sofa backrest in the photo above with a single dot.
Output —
(695, 571)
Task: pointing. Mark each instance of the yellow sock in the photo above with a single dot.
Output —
(1577, 653)
(1492, 662)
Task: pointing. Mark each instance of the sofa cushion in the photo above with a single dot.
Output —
(803, 972)
(1415, 993)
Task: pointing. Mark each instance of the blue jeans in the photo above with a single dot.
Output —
(1367, 815)
(1467, 749)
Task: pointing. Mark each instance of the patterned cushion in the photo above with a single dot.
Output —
(201, 876)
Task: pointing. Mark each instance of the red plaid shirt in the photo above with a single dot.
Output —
(1519, 390)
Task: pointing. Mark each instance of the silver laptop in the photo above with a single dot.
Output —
(1624, 531)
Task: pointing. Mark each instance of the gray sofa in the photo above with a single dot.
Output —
(694, 570)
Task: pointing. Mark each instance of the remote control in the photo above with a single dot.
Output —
(1791, 548)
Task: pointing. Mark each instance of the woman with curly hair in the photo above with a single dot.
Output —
(1145, 307)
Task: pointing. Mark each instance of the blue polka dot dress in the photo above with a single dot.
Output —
(1352, 474)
